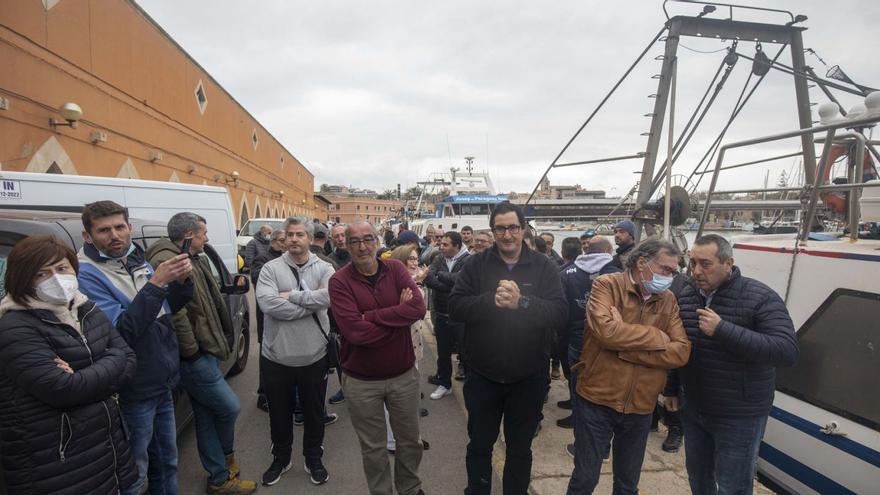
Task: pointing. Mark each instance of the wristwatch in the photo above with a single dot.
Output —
(524, 302)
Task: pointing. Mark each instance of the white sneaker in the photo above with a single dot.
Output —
(440, 392)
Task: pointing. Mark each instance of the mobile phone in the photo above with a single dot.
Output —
(187, 242)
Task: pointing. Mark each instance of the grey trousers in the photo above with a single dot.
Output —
(365, 400)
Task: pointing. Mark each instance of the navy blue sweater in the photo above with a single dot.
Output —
(733, 373)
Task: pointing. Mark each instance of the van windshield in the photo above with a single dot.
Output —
(251, 227)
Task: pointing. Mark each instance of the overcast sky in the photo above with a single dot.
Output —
(371, 94)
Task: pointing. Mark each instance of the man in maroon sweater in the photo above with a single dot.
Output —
(374, 302)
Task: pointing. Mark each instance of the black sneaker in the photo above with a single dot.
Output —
(337, 398)
(434, 380)
(273, 474)
(566, 422)
(262, 403)
(330, 419)
(564, 404)
(459, 372)
(673, 440)
(317, 471)
(423, 412)
(298, 419)
(569, 449)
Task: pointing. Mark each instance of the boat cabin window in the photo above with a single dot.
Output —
(472, 209)
(839, 364)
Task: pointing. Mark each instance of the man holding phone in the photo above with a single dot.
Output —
(139, 301)
(201, 326)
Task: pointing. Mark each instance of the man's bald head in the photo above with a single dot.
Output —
(599, 244)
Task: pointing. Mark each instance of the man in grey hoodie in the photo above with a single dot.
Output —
(292, 293)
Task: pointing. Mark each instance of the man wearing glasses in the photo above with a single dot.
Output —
(510, 301)
(633, 334)
(374, 302)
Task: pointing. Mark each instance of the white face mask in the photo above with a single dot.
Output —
(57, 289)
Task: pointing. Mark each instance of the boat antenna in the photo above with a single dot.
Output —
(470, 164)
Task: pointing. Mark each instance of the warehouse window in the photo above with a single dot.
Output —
(201, 98)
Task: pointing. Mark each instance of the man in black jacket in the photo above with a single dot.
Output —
(139, 301)
(441, 278)
(740, 330)
(577, 282)
(510, 300)
(625, 238)
(276, 249)
(340, 254)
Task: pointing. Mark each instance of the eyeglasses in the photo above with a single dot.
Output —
(413, 258)
(500, 230)
(368, 240)
(665, 269)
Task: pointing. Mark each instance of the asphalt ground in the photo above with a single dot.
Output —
(442, 469)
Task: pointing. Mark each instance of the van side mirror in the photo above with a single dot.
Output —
(241, 284)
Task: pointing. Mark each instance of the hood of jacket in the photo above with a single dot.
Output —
(592, 263)
(163, 244)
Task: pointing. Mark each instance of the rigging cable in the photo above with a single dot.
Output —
(737, 109)
(596, 110)
(730, 59)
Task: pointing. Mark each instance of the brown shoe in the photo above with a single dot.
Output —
(232, 486)
(232, 466)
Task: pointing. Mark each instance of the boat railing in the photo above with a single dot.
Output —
(810, 189)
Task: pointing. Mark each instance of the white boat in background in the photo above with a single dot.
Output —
(471, 200)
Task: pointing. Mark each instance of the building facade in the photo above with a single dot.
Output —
(149, 110)
(348, 209)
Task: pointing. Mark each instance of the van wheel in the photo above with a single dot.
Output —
(242, 348)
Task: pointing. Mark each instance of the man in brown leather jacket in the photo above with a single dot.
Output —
(633, 334)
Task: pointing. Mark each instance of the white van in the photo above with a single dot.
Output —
(146, 199)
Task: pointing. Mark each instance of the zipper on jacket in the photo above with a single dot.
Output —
(112, 445)
(62, 445)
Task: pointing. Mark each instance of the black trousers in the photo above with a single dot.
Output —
(519, 406)
(447, 333)
(260, 389)
(282, 383)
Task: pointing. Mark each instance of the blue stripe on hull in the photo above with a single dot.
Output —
(842, 443)
(801, 472)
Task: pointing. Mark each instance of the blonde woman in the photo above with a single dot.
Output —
(409, 256)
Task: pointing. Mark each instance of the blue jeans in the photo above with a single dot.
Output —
(594, 427)
(152, 438)
(216, 408)
(721, 452)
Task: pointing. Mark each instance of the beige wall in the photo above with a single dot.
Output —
(137, 86)
(348, 209)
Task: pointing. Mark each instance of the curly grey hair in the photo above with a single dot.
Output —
(649, 249)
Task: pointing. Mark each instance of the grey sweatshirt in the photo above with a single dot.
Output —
(290, 335)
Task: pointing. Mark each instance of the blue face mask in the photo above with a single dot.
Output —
(107, 256)
(657, 284)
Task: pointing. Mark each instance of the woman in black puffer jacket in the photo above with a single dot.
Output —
(62, 363)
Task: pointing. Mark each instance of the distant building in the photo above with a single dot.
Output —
(548, 191)
(150, 111)
(347, 209)
(322, 208)
(334, 190)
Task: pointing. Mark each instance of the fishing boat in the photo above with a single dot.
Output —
(471, 198)
(823, 433)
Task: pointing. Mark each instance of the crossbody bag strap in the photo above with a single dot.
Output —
(315, 316)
